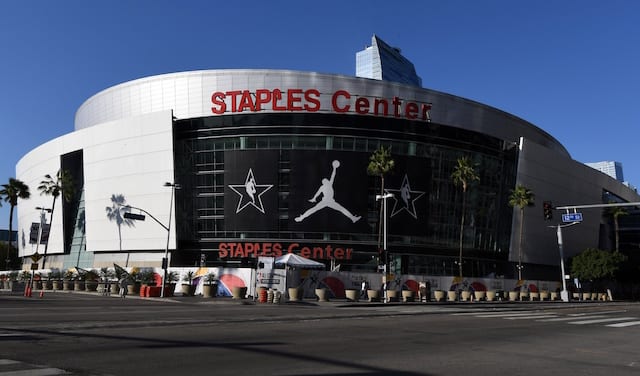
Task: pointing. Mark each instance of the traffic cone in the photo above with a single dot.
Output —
(41, 293)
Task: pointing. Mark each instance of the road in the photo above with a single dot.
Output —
(84, 334)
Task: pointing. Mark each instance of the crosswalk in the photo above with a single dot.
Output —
(9, 367)
(612, 319)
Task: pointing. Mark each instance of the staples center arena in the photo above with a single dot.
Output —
(266, 162)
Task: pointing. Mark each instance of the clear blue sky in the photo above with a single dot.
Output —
(570, 67)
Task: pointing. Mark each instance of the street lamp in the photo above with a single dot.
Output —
(384, 198)
(139, 217)
(165, 259)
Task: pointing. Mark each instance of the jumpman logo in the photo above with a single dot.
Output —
(250, 193)
(327, 201)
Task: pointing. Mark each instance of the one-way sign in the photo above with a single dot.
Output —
(572, 217)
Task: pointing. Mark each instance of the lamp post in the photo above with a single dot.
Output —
(384, 198)
(165, 259)
(138, 217)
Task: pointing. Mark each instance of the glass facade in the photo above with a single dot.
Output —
(277, 149)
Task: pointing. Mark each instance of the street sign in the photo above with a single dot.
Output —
(137, 217)
(36, 257)
(572, 217)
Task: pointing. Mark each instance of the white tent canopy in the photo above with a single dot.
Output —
(297, 261)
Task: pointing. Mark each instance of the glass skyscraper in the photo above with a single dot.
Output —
(383, 62)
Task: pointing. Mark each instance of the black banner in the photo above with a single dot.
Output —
(328, 191)
(408, 209)
(251, 190)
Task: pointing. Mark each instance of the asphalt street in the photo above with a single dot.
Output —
(88, 334)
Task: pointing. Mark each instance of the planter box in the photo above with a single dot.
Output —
(439, 295)
(373, 295)
(238, 292)
(68, 285)
(465, 295)
(534, 296)
(79, 285)
(544, 295)
(91, 285)
(513, 295)
(479, 295)
(408, 295)
(490, 295)
(352, 295)
(188, 290)
(294, 294)
(452, 296)
(321, 293)
(209, 291)
(393, 295)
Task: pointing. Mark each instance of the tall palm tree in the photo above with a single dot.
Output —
(11, 192)
(521, 197)
(380, 164)
(615, 212)
(61, 184)
(115, 213)
(464, 174)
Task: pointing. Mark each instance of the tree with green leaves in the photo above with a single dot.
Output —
(614, 212)
(61, 184)
(521, 197)
(380, 164)
(464, 174)
(11, 192)
(595, 264)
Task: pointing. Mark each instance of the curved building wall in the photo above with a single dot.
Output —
(188, 95)
(262, 141)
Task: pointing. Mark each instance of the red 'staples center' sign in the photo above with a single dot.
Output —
(309, 100)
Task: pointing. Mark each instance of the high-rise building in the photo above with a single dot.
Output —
(611, 168)
(383, 62)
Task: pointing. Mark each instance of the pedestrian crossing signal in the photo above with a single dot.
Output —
(547, 209)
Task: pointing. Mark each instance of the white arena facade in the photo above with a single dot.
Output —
(254, 153)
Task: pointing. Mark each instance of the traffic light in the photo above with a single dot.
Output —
(547, 209)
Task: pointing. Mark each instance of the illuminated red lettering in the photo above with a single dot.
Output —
(263, 96)
(276, 96)
(376, 107)
(234, 99)
(425, 111)
(223, 252)
(246, 102)
(396, 106)
(334, 101)
(294, 98)
(219, 106)
(362, 105)
(411, 111)
(312, 96)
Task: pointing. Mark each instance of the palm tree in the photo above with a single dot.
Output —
(114, 213)
(380, 164)
(615, 212)
(464, 174)
(10, 193)
(62, 183)
(521, 197)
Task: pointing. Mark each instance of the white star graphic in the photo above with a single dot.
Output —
(405, 199)
(250, 193)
